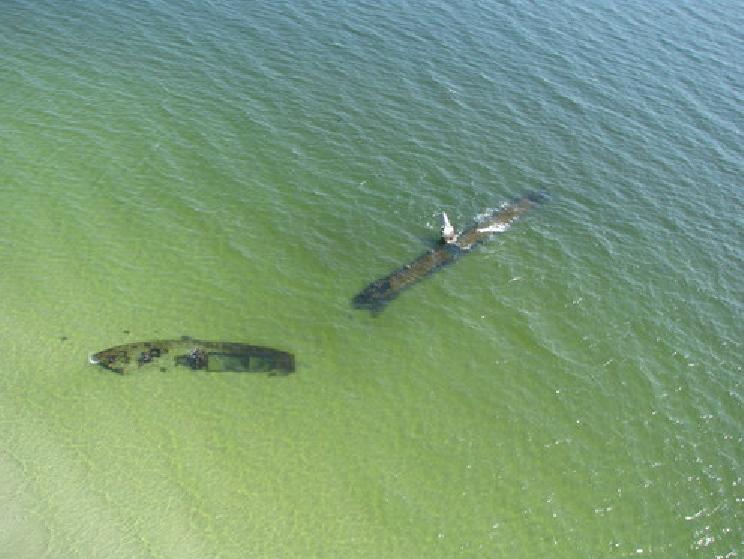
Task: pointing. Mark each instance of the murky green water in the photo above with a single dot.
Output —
(573, 389)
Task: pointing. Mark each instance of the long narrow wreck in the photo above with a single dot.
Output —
(450, 247)
(197, 355)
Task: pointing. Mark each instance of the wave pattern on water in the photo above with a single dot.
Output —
(234, 171)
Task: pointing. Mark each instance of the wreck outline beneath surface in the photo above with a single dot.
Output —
(380, 292)
(197, 355)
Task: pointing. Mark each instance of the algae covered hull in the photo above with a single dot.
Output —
(377, 294)
(197, 355)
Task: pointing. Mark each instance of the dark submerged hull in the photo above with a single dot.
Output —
(197, 355)
(377, 294)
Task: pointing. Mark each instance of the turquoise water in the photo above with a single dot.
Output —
(573, 389)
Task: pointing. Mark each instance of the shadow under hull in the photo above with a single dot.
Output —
(197, 355)
(380, 292)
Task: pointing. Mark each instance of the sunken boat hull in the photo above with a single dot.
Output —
(377, 294)
(197, 355)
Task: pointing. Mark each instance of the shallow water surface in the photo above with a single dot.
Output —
(570, 389)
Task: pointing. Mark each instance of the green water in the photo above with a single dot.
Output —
(572, 389)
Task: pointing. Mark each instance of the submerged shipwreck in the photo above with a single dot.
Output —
(216, 356)
(451, 246)
(197, 355)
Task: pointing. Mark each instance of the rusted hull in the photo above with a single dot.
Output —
(198, 355)
(377, 294)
